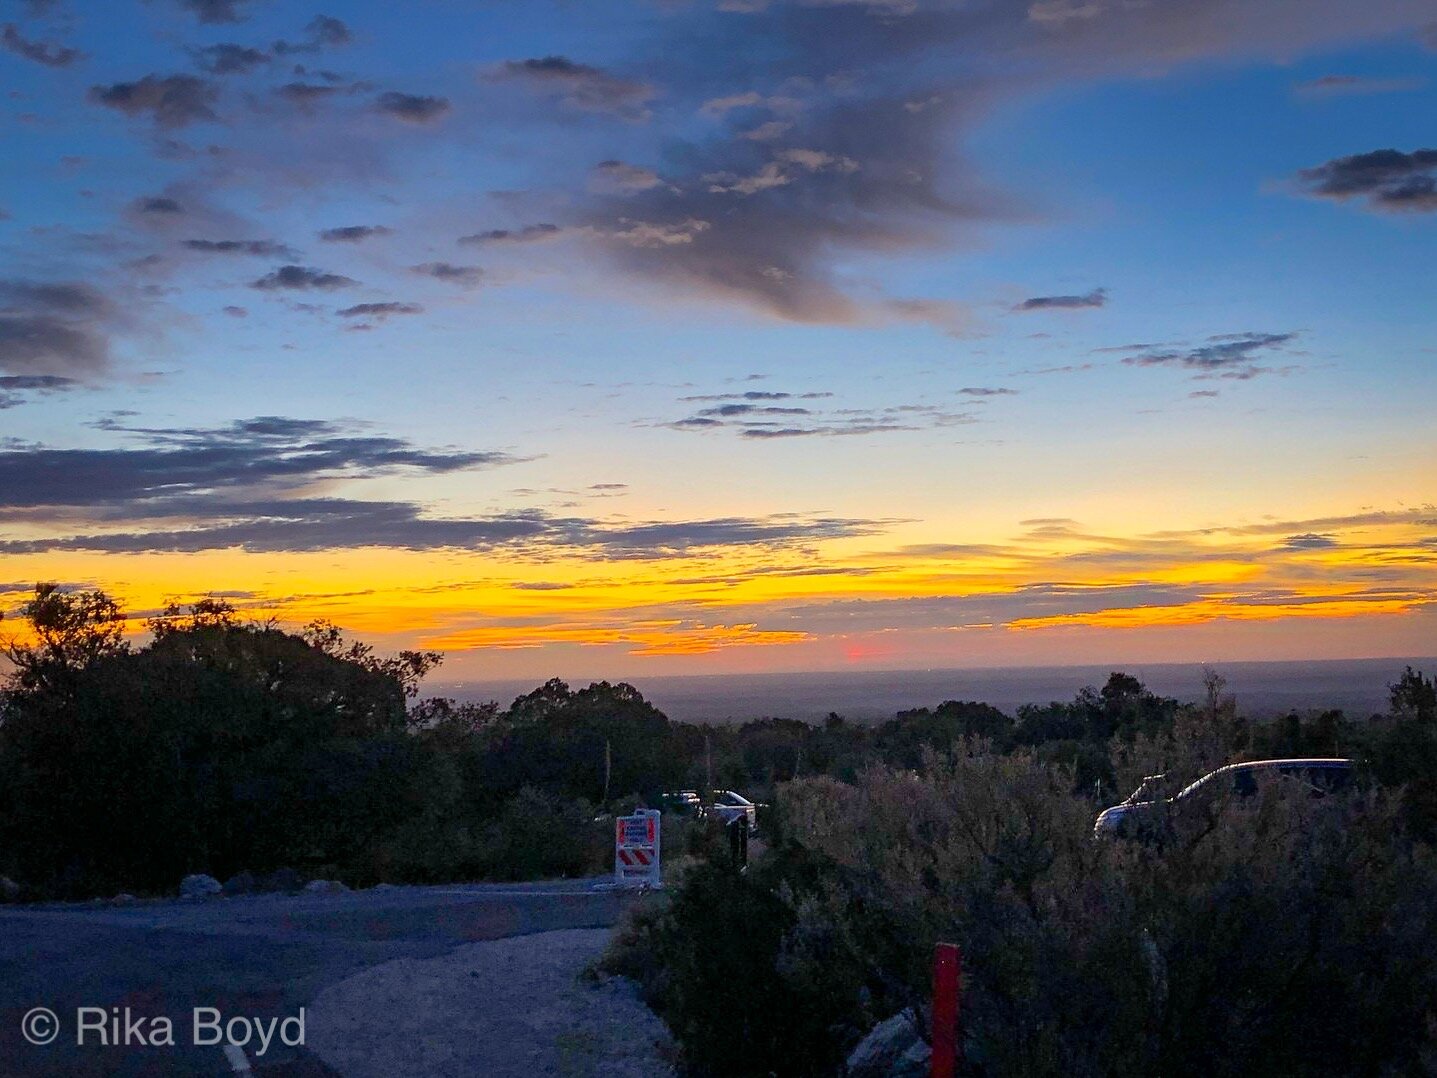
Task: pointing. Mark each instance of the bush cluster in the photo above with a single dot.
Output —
(1281, 935)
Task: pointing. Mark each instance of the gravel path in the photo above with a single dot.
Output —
(507, 1007)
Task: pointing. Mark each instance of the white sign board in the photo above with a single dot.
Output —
(636, 850)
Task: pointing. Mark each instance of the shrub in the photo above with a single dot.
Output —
(1282, 936)
(538, 835)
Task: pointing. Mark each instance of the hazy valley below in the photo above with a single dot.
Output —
(1357, 686)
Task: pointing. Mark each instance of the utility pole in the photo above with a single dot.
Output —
(608, 770)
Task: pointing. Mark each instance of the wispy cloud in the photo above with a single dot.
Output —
(1098, 297)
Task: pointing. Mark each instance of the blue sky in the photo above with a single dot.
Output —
(830, 299)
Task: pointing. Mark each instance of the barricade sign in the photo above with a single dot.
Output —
(636, 850)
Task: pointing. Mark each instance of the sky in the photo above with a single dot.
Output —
(700, 336)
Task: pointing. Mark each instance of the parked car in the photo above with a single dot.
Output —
(1320, 776)
(684, 802)
(729, 806)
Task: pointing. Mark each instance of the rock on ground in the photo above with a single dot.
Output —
(892, 1049)
(509, 1008)
(199, 886)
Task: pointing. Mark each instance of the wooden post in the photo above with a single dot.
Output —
(947, 1030)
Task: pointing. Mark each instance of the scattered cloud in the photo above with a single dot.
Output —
(161, 205)
(1388, 180)
(1310, 541)
(13, 387)
(1098, 297)
(249, 485)
(412, 108)
(301, 278)
(468, 276)
(53, 329)
(986, 391)
(263, 248)
(169, 100)
(41, 52)
(1227, 355)
(580, 86)
(352, 233)
(528, 234)
(215, 11)
(379, 311)
(618, 177)
(767, 415)
(229, 59)
(322, 32)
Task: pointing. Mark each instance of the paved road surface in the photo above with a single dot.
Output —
(263, 956)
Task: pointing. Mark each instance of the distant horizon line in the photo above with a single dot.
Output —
(1112, 665)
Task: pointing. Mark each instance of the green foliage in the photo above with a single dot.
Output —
(708, 961)
(537, 835)
(216, 747)
(1414, 697)
(1278, 936)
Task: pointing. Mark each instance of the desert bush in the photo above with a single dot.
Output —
(538, 834)
(1280, 935)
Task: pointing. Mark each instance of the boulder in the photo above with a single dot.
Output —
(9, 889)
(124, 898)
(325, 887)
(199, 886)
(241, 883)
(892, 1049)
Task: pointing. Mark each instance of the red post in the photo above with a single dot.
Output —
(947, 1037)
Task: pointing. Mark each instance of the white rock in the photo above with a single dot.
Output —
(325, 887)
(199, 886)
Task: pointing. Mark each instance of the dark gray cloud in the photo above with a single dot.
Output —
(986, 391)
(301, 278)
(755, 395)
(352, 233)
(762, 414)
(311, 524)
(41, 52)
(411, 108)
(248, 485)
(13, 387)
(263, 248)
(215, 11)
(1388, 180)
(322, 32)
(468, 276)
(229, 59)
(1309, 541)
(158, 204)
(1098, 297)
(169, 100)
(305, 95)
(841, 136)
(171, 466)
(53, 329)
(1228, 355)
(581, 86)
(379, 311)
(528, 234)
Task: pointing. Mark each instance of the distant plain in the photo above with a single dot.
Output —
(1263, 689)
